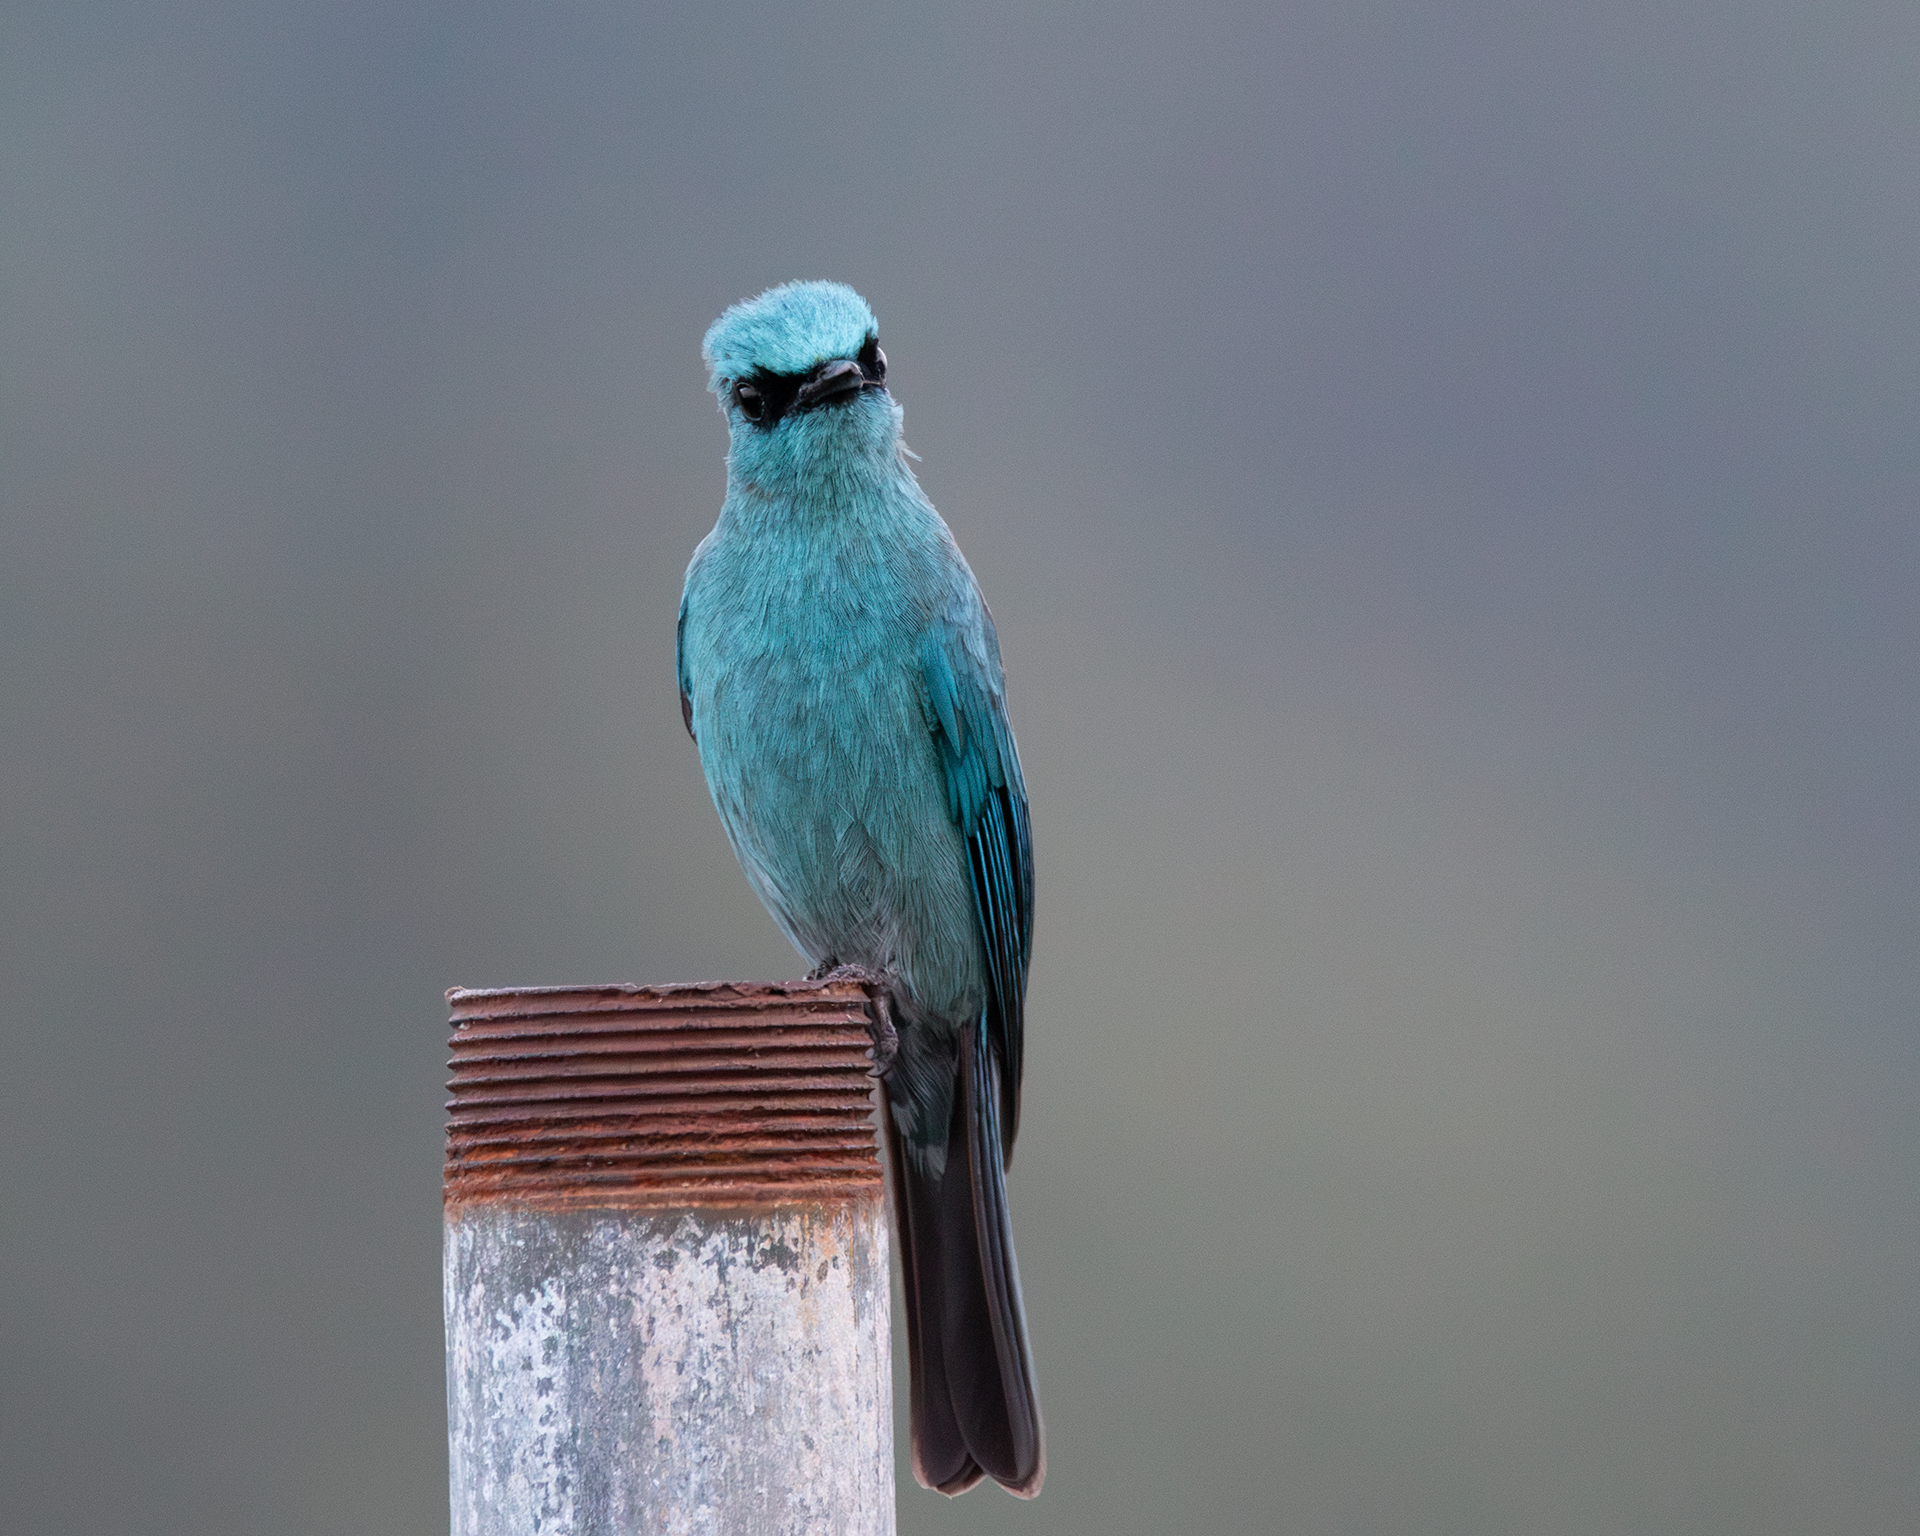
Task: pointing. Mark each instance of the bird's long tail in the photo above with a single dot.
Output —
(975, 1408)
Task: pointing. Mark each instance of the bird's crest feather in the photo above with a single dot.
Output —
(791, 329)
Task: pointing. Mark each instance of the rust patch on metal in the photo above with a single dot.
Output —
(699, 1094)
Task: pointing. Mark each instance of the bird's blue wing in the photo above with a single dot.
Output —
(987, 799)
(680, 665)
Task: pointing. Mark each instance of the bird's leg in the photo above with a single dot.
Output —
(879, 989)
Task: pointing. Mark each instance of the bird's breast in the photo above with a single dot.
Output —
(807, 697)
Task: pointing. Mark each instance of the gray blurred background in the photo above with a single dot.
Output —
(1447, 478)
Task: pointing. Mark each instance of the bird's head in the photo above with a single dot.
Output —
(801, 379)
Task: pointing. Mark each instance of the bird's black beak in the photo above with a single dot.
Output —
(829, 382)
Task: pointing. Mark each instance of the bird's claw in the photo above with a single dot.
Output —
(879, 990)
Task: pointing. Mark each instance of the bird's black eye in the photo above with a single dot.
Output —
(873, 362)
(752, 403)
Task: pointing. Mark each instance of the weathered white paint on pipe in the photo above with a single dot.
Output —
(694, 1373)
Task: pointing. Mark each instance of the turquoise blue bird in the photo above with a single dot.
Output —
(841, 677)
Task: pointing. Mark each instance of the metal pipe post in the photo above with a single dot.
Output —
(666, 1276)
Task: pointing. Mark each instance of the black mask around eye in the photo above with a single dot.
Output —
(764, 398)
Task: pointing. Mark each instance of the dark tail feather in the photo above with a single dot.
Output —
(940, 1457)
(975, 1409)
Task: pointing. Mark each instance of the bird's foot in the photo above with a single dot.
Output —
(879, 990)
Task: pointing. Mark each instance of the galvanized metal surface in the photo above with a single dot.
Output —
(666, 1273)
(645, 1371)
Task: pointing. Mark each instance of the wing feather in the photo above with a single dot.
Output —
(987, 799)
(680, 666)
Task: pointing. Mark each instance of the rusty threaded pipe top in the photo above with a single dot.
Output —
(699, 1094)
